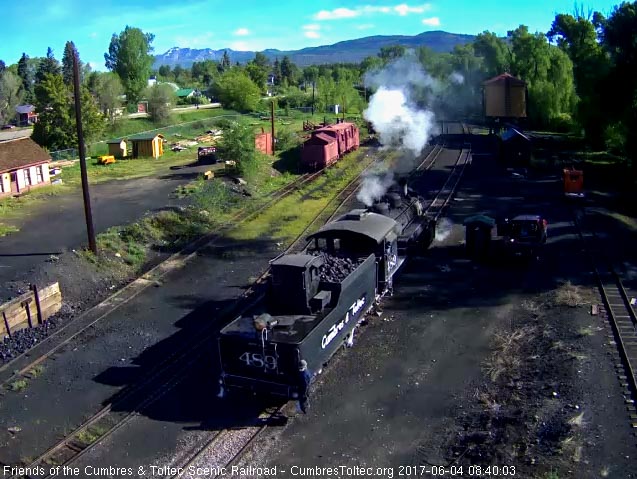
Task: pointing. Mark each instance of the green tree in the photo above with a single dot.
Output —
(577, 36)
(619, 40)
(261, 60)
(160, 101)
(108, 91)
(10, 95)
(236, 91)
(237, 145)
(548, 72)
(225, 61)
(56, 127)
(26, 77)
(129, 55)
(389, 53)
(257, 74)
(495, 53)
(47, 65)
(67, 62)
(289, 71)
(53, 100)
(165, 72)
(92, 119)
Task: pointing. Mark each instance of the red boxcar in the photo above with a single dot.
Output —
(319, 151)
(328, 144)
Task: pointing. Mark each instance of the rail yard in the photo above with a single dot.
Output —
(430, 344)
(409, 396)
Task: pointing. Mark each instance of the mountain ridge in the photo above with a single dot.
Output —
(346, 51)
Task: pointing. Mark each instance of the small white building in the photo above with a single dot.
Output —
(152, 81)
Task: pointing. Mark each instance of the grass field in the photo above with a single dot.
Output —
(129, 245)
(191, 123)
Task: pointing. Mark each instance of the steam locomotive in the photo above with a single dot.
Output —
(316, 299)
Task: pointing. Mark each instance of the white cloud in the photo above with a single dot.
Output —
(431, 22)
(401, 9)
(93, 35)
(404, 9)
(241, 32)
(336, 14)
(365, 26)
(312, 26)
(312, 34)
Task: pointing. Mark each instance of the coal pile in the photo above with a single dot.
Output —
(24, 339)
(335, 269)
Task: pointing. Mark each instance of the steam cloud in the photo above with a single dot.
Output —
(443, 230)
(374, 187)
(392, 109)
(396, 117)
(457, 78)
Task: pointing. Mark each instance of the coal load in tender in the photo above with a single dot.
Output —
(335, 269)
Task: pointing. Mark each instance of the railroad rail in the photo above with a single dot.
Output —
(619, 312)
(440, 201)
(170, 372)
(251, 434)
(188, 252)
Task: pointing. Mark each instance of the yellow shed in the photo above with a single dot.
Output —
(505, 97)
(118, 147)
(147, 145)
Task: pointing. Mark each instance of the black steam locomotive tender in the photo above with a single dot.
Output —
(315, 301)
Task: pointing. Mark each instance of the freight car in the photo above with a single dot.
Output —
(317, 298)
(328, 144)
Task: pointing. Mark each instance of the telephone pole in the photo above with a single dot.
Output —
(80, 139)
(272, 123)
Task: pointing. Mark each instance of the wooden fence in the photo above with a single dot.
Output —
(30, 309)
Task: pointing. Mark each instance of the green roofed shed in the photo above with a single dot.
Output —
(185, 92)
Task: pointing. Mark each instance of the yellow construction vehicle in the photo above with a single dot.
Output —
(105, 159)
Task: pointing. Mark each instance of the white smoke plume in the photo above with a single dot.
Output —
(396, 117)
(443, 230)
(397, 122)
(392, 108)
(374, 187)
(456, 78)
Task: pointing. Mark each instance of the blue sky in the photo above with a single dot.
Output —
(33, 25)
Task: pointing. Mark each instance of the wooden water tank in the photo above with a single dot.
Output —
(505, 97)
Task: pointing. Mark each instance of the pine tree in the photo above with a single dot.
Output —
(67, 62)
(26, 77)
(225, 61)
(47, 65)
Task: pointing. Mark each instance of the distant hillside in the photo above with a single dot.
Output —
(341, 52)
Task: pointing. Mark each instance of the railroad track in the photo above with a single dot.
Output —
(619, 312)
(440, 201)
(251, 434)
(188, 252)
(134, 400)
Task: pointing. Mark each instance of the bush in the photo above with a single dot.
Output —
(615, 138)
(286, 139)
(562, 123)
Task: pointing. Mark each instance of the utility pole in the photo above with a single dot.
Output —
(343, 107)
(313, 86)
(80, 139)
(272, 123)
